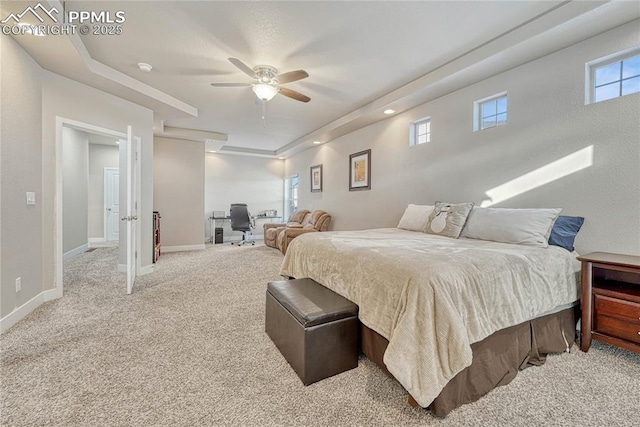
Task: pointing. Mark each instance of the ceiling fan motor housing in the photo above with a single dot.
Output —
(266, 74)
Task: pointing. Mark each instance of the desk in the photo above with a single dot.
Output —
(214, 219)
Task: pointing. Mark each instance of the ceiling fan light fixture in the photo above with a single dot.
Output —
(264, 92)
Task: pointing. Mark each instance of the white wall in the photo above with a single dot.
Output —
(547, 121)
(178, 188)
(100, 157)
(75, 195)
(256, 181)
(21, 229)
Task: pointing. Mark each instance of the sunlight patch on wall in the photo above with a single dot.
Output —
(560, 168)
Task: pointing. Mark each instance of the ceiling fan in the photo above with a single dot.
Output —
(267, 81)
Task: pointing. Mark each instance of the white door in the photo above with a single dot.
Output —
(133, 166)
(112, 204)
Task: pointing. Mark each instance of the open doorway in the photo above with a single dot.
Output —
(90, 193)
(82, 219)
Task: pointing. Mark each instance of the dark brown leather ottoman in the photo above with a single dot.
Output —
(314, 328)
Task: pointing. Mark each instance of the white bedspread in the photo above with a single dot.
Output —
(433, 296)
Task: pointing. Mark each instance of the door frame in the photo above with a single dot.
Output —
(57, 199)
(105, 221)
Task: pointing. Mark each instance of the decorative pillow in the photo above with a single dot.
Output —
(448, 219)
(415, 217)
(521, 226)
(564, 231)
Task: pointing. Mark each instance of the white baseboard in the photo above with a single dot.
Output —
(165, 249)
(25, 309)
(122, 268)
(97, 240)
(52, 294)
(74, 252)
(145, 269)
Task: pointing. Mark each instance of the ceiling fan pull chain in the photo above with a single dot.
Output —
(264, 114)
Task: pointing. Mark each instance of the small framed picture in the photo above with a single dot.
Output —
(360, 171)
(316, 179)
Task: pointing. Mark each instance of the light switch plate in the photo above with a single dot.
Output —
(31, 198)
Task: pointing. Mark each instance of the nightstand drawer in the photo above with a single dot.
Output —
(617, 308)
(610, 300)
(617, 328)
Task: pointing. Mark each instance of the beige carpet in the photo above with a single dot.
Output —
(188, 349)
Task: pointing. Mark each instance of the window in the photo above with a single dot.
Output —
(420, 131)
(290, 195)
(490, 112)
(613, 76)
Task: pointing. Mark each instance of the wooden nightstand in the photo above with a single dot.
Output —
(610, 300)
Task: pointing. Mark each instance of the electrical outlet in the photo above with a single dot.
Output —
(18, 284)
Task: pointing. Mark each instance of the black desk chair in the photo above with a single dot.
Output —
(241, 221)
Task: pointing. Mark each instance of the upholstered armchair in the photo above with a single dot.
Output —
(316, 221)
(271, 229)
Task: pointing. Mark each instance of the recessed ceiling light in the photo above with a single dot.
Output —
(212, 151)
(281, 158)
(144, 67)
(317, 142)
(389, 111)
(31, 29)
(117, 142)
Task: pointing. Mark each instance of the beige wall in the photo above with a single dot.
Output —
(256, 181)
(68, 99)
(32, 101)
(547, 121)
(178, 188)
(21, 253)
(100, 157)
(75, 191)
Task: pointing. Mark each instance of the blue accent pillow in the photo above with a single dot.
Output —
(564, 231)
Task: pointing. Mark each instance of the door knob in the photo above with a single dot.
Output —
(109, 209)
(135, 217)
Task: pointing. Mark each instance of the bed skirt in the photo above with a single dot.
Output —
(496, 359)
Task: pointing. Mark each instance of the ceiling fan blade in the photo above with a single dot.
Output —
(230, 84)
(292, 76)
(243, 67)
(294, 95)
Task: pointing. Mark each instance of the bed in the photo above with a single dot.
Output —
(450, 319)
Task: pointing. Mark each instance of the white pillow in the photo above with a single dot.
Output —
(521, 226)
(415, 217)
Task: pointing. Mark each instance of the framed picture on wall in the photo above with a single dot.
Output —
(316, 179)
(360, 171)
